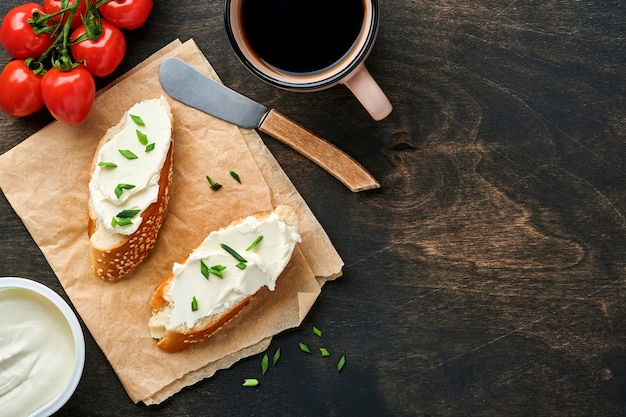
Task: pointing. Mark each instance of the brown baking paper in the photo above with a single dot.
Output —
(45, 179)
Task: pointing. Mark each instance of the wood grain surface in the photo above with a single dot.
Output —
(487, 277)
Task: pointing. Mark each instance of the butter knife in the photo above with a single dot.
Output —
(188, 85)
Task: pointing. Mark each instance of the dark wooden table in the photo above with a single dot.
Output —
(487, 276)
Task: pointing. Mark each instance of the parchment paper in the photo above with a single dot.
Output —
(45, 179)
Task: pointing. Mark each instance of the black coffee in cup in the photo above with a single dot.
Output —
(301, 36)
(309, 45)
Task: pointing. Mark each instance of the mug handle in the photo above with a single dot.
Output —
(368, 92)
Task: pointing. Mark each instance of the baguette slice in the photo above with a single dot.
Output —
(114, 252)
(217, 300)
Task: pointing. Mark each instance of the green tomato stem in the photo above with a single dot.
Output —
(58, 53)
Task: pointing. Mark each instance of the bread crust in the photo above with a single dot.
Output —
(112, 263)
(182, 338)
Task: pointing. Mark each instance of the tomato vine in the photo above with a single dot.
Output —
(75, 40)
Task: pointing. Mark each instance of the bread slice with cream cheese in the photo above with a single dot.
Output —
(221, 276)
(129, 188)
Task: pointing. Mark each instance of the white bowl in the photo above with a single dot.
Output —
(79, 341)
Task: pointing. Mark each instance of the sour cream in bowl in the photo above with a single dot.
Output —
(42, 349)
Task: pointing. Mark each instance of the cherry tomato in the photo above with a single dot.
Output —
(20, 90)
(126, 14)
(53, 6)
(18, 37)
(68, 95)
(103, 55)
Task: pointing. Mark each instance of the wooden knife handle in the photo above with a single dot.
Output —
(323, 153)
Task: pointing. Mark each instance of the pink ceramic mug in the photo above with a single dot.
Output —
(309, 45)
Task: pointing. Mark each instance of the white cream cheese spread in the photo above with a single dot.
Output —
(215, 277)
(37, 352)
(126, 177)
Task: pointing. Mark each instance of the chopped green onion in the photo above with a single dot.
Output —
(241, 265)
(123, 218)
(204, 269)
(121, 221)
(250, 382)
(324, 351)
(138, 121)
(265, 363)
(235, 176)
(150, 147)
(215, 270)
(304, 348)
(121, 187)
(276, 356)
(127, 154)
(214, 185)
(127, 214)
(141, 137)
(233, 252)
(194, 304)
(107, 164)
(317, 331)
(341, 363)
(253, 244)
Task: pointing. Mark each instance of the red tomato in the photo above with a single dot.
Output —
(53, 6)
(103, 55)
(18, 37)
(20, 90)
(126, 14)
(68, 95)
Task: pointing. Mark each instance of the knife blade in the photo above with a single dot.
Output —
(188, 85)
